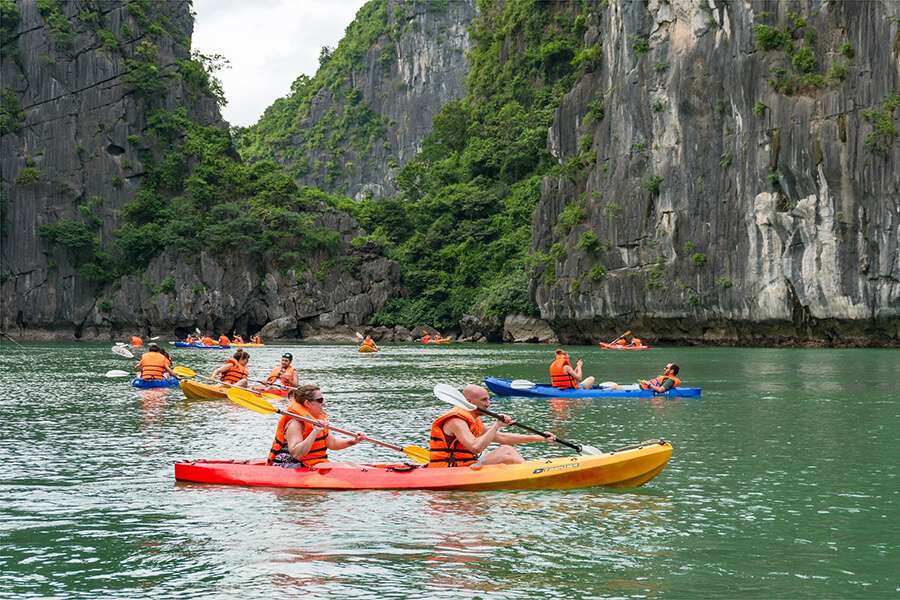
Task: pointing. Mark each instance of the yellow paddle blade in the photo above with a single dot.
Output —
(248, 399)
(418, 454)
(184, 372)
(270, 396)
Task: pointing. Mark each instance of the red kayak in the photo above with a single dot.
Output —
(272, 390)
(626, 467)
(606, 346)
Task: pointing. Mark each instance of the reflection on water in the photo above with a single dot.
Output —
(780, 484)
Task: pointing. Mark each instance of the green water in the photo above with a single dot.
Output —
(783, 482)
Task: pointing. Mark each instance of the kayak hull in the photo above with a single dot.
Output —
(195, 390)
(366, 349)
(247, 345)
(200, 346)
(277, 391)
(148, 384)
(624, 468)
(503, 387)
(606, 346)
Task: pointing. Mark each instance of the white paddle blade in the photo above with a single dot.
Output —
(359, 336)
(121, 344)
(521, 384)
(607, 384)
(590, 450)
(154, 338)
(117, 373)
(451, 395)
(122, 351)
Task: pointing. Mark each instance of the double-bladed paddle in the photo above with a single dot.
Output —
(451, 395)
(620, 337)
(181, 371)
(524, 384)
(122, 351)
(254, 402)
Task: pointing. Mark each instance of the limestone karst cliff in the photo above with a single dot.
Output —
(371, 104)
(124, 204)
(731, 174)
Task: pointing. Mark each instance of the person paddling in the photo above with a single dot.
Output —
(136, 341)
(300, 444)
(207, 341)
(234, 371)
(236, 339)
(564, 376)
(224, 341)
(256, 340)
(664, 382)
(458, 437)
(285, 373)
(369, 342)
(154, 364)
(636, 342)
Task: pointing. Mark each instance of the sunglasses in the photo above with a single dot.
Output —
(320, 400)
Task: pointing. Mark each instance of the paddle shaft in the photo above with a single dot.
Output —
(344, 431)
(572, 445)
(620, 337)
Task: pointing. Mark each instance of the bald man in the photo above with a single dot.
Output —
(458, 437)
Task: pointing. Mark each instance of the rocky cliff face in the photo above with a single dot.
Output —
(729, 172)
(371, 116)
(78, 78)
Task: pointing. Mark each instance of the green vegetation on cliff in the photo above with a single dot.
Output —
(281, 132)
(460, 226)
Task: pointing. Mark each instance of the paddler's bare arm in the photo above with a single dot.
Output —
(460, 430)
(521, 438)
(336, 443)
(299, 446)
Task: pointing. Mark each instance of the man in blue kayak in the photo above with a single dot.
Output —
(664, 382)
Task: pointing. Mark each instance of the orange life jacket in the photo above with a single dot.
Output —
(659, 381)
(445, 449)
(189, 340)
(136, 341)
(237, 339)
(208, 341)
(426, 339)
(234, 373)
(256, 339)
(558, 376)
(286, 375)
(153, 365)
(279, 453)
(368, 341)
(635, 341)
(223, 340)
(620, 342)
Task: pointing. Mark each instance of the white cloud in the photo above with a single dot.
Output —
(269, 43)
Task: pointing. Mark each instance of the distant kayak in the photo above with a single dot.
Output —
(247, 345)
(503, 387)
(200, 346)
(154, 383)
(626, 467)
(606, 346)
(366, 348)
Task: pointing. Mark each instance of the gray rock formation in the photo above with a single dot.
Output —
(716, 207)
(404, 79)
(71, 121)
(522, 328)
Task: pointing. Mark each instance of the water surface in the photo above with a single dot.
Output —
(783, 482)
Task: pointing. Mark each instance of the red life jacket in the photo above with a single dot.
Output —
(234, 373)
(558, 376)
(445, 450)
(279, 453)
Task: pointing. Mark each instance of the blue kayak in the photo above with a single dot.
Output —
(503, 387)
(201, 346)
(154, 383)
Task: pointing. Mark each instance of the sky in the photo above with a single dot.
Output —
(268, 43)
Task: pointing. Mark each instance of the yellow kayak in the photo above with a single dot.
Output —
(365, 348)
(194, 390)
(247, 345)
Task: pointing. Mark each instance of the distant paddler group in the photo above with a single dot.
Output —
(207, 341)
